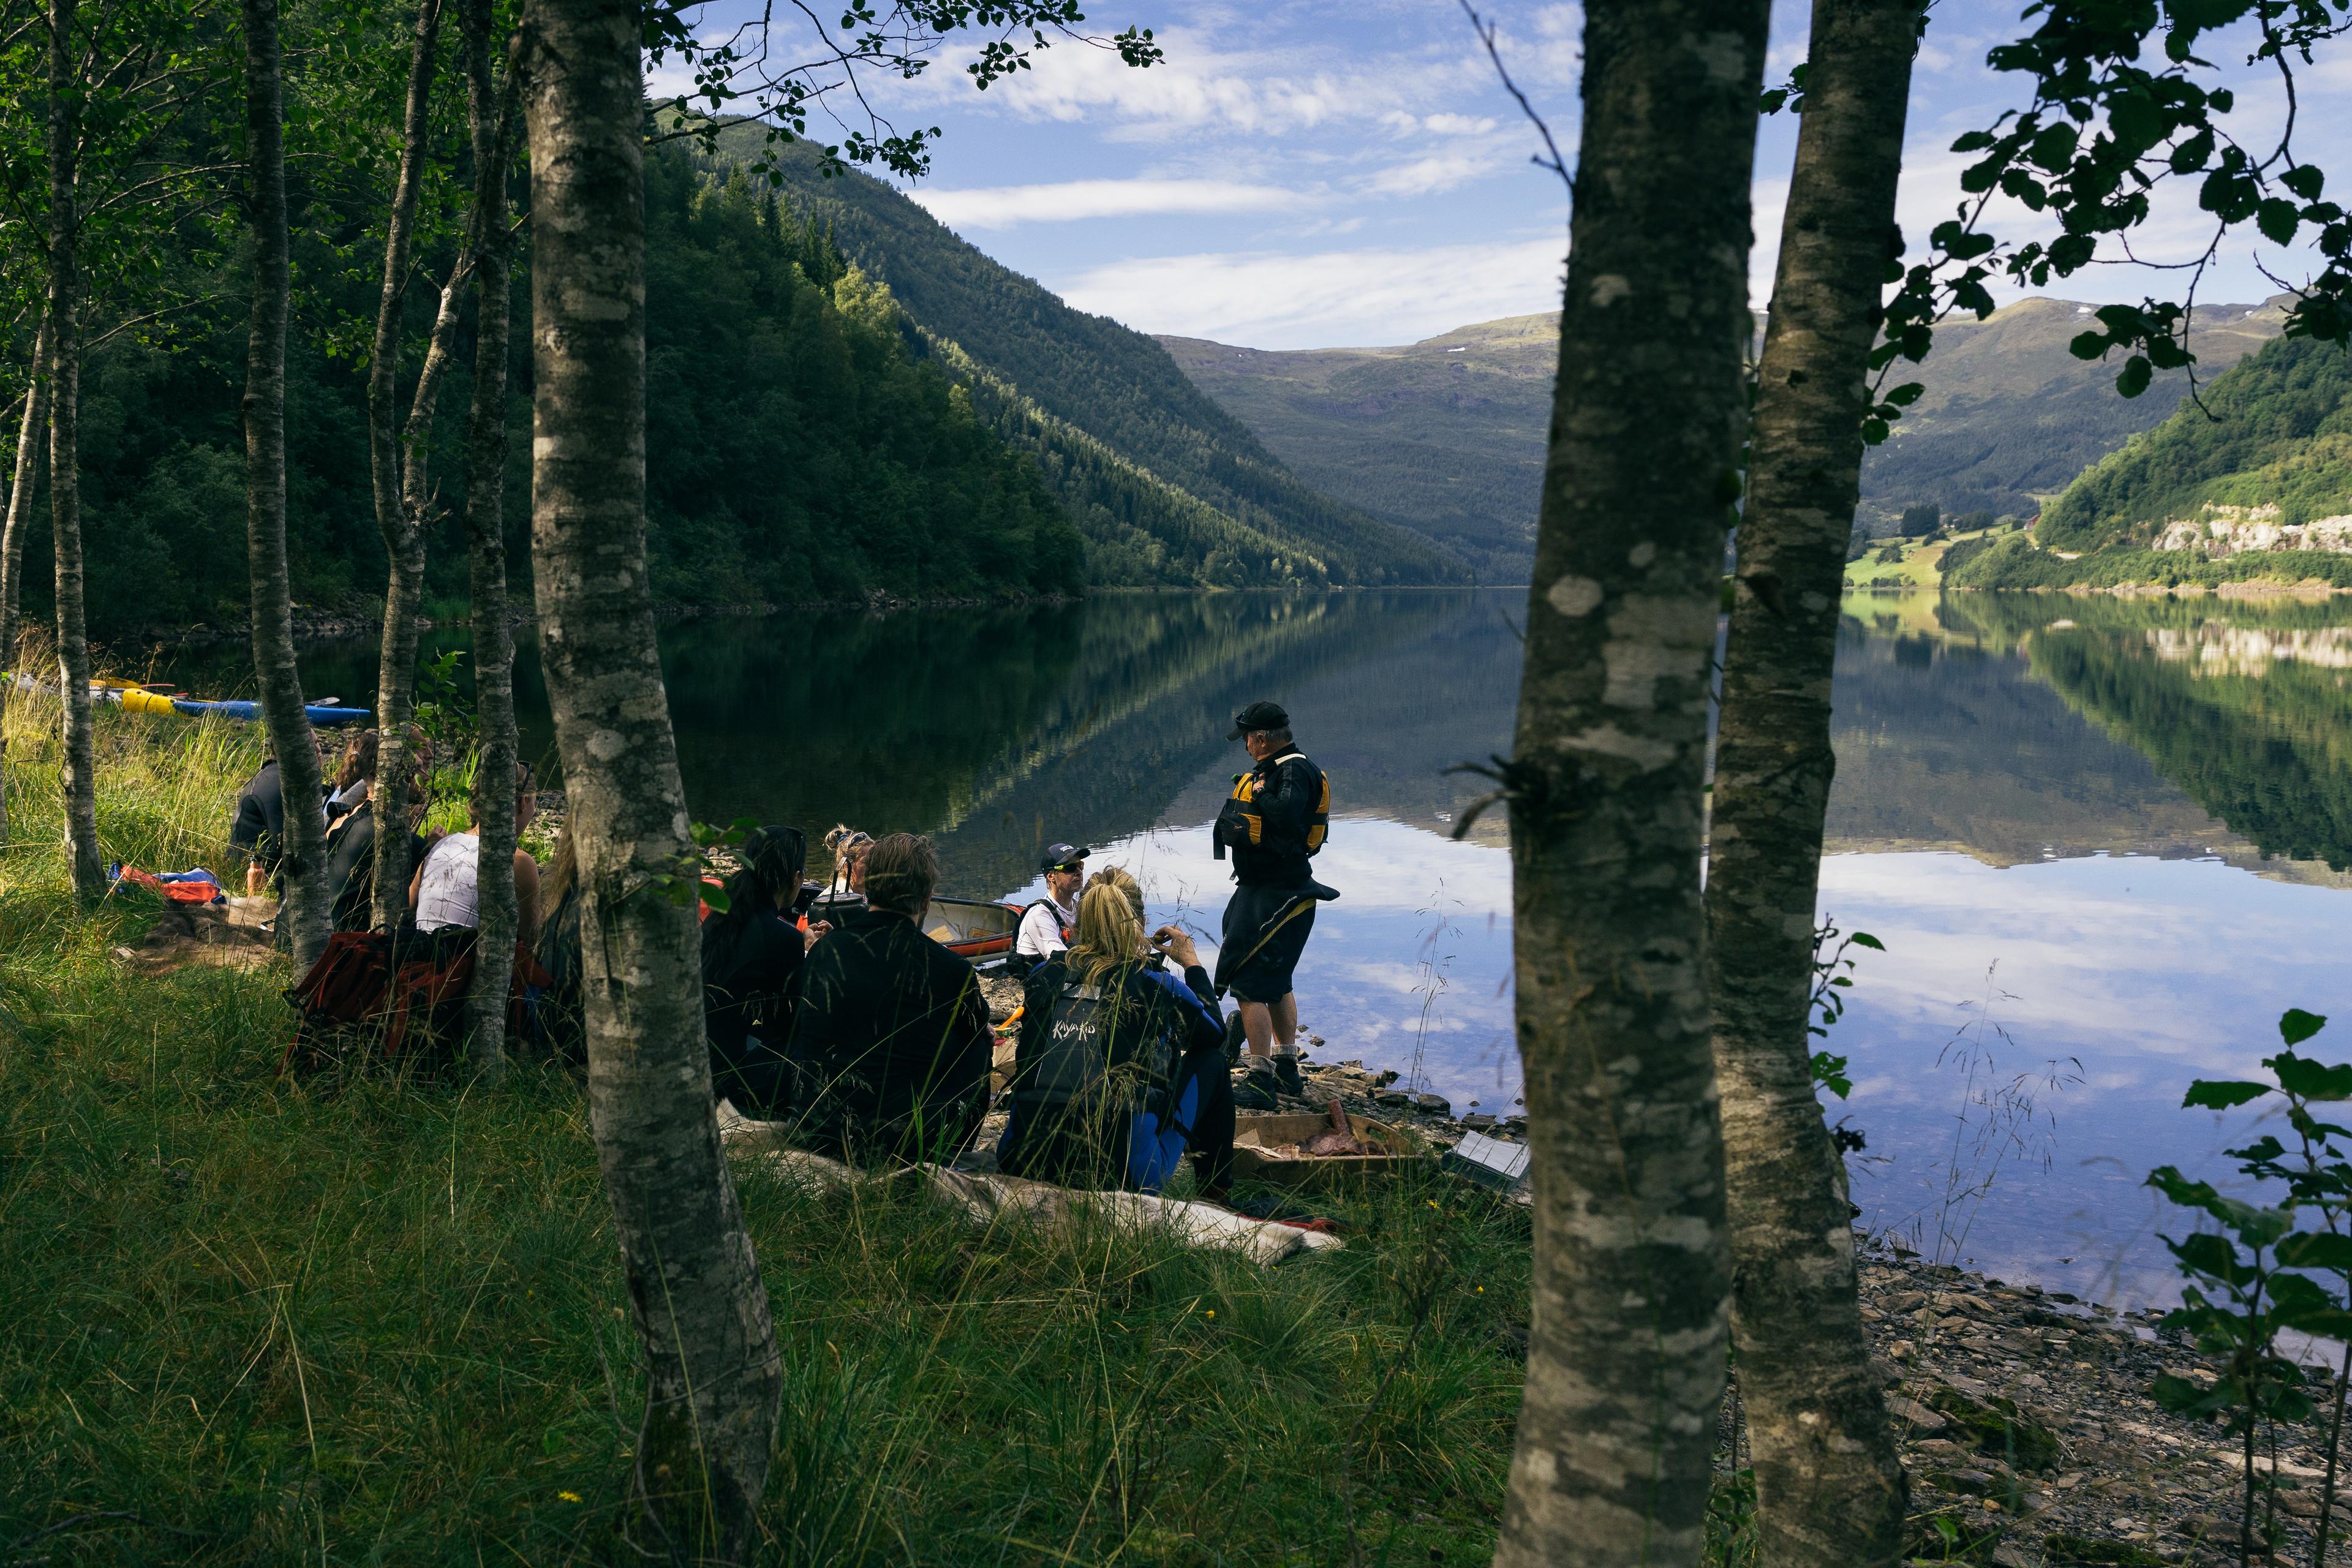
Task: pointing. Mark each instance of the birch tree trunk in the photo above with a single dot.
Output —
(306, 912)
(1627, 1348)
(80, 784)
(701, 1308)
(486, 467)
(24, 483)
(404, 542)
(1830, 1485)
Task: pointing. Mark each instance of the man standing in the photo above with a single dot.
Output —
(1276, 817)
(1047, 925)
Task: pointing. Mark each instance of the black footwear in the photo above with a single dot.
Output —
(1285, 1075)
(1255, 1092)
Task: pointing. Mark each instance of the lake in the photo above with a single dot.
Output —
(2100, 840)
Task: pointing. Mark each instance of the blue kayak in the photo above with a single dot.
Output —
(323, 718)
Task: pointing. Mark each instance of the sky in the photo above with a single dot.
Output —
(1311, 174)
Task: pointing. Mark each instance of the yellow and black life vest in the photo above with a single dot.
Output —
(1240, 823)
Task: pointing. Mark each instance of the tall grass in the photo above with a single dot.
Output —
(241, 1321)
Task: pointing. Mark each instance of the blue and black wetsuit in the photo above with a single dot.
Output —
(1113, 1081)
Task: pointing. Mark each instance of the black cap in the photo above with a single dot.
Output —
(1060, 854)
(1259, 716)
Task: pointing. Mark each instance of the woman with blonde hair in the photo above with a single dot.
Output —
(1120, 1067)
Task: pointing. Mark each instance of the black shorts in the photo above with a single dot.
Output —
(1266, 930)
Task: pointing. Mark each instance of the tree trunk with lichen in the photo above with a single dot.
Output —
(1626, 1350)
(1829, 1482)
(24, 483)
(404, 541)
(486, 467)
(700, 1307)
(84, 864)
(307, 911)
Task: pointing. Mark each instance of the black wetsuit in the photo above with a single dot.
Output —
(889, 1044)
(746, 1001)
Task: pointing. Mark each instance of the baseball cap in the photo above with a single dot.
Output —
(1259, 716)
(1060, 854)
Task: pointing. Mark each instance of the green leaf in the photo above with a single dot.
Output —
(1905, 395)
(2211, 1094)
(2308, 1079)
(1875, 432)
(2315, 1249)
(2305, 180)
(2088, 345)
(2295, 1026)
(1974, 141)
(716, 897)
(2137, 374)
(1864, 938)
(2277, 218)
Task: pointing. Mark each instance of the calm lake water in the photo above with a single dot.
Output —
(2096, 838)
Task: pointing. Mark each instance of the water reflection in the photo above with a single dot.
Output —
(2103, 841)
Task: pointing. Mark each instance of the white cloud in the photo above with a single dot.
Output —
(1003, 206)
(1329, 297)
(1457, 124)
(1439, 172)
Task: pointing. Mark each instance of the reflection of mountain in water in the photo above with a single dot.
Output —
(999, 730)
(1944, 744)
(1971, 731)
(2266, 752)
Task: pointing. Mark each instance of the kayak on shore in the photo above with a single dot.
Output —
(134, 697)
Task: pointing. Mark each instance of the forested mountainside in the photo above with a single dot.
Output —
(800, 443)
(2257, 483)
(2278, 434)
(1447, 435)
(1108, 405)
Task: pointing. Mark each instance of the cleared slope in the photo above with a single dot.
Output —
(1445, 435)
(1105, 380)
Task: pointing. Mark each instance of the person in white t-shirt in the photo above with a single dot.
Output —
(1047, 924)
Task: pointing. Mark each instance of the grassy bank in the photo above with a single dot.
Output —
(2016, 561)
(242, 1321)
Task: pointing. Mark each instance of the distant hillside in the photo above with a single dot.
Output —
(1447, 436)
(1166, 486)
(1444, 436)
(2011, 414)
(2257, 484)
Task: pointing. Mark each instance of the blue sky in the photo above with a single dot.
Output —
(1309, 174)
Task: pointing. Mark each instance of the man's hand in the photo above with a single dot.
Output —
(1176, 945)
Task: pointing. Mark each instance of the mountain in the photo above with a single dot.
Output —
(1095, 401)
(1444, 436)
(1447, 436)
(2010, 415)
(2257, 483)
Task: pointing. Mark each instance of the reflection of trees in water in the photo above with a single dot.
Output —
(1000, 729)
(2242, 706)
(2266, 754)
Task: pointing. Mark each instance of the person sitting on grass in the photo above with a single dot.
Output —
(258, 830)
(1120, 1067)
(889, 1044)
(751, 954)
(446, 890)
(351, 841)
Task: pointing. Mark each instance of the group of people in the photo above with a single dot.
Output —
(443, 891)
(837, 1014)
(874, 1041)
